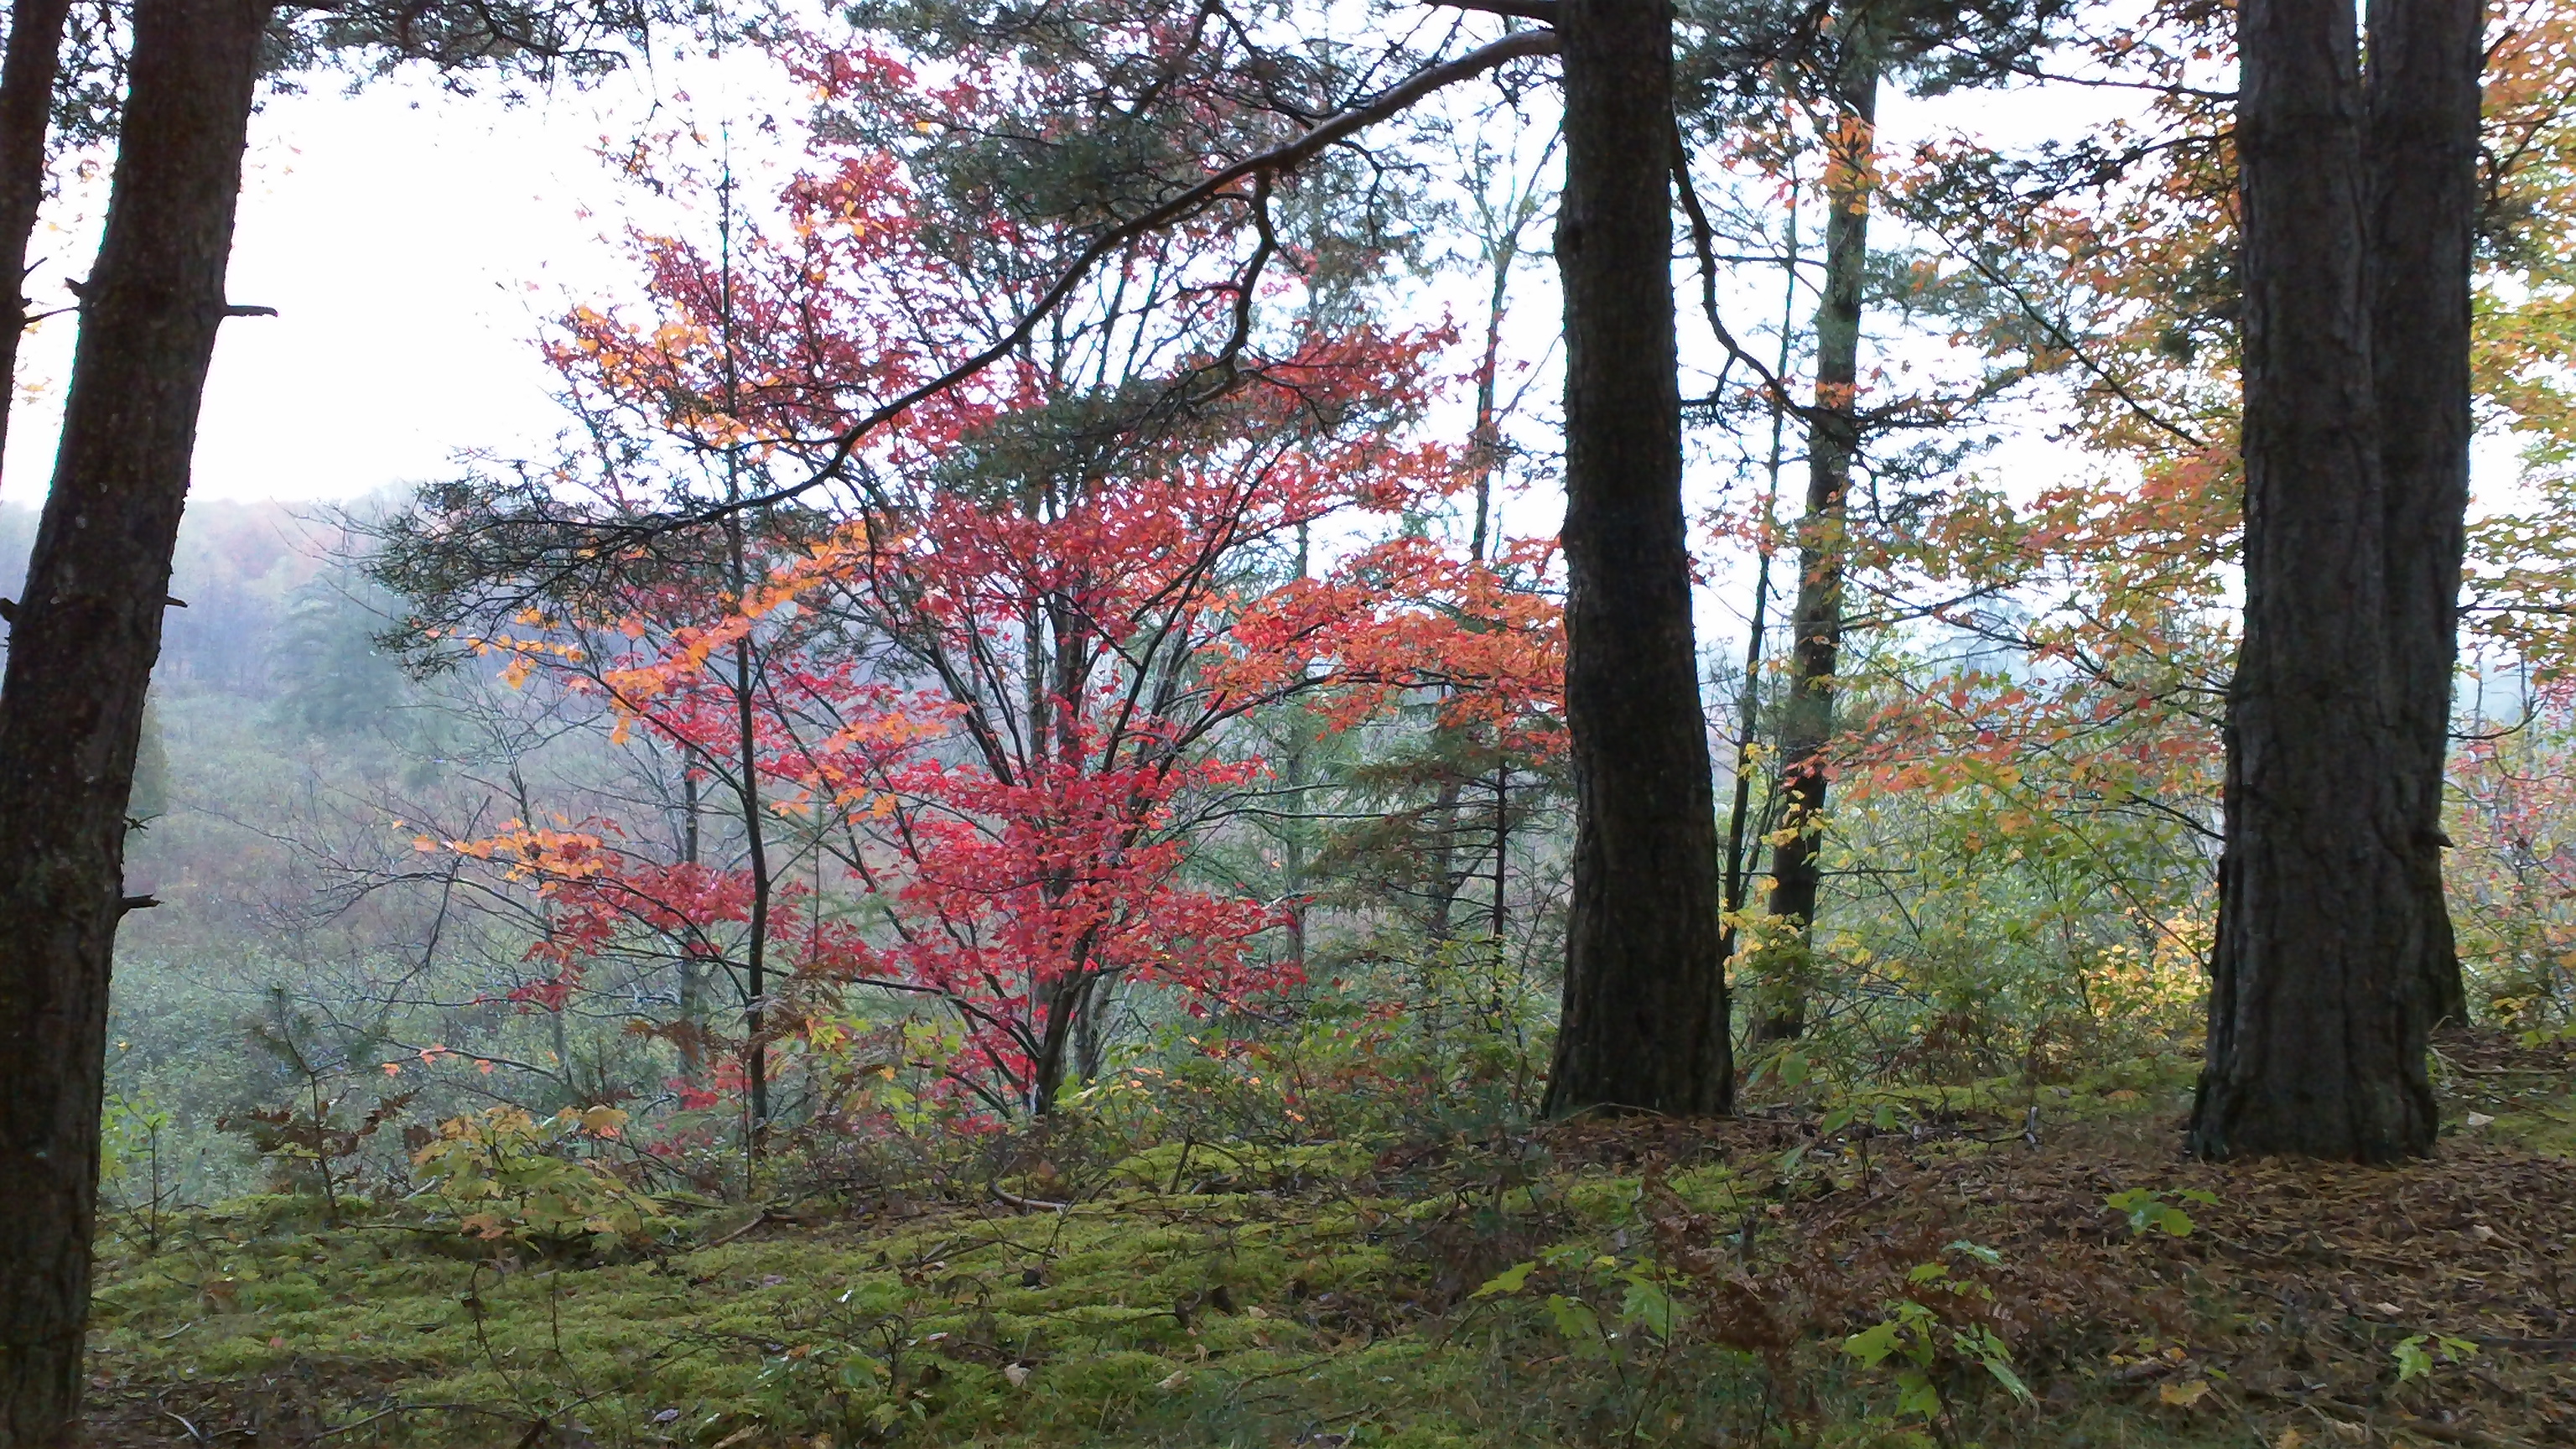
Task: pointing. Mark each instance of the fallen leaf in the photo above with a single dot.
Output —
(2183, 1396)
(2290, 1438)
(1178, 1378)
(1017, 1373)
(2479, 1119)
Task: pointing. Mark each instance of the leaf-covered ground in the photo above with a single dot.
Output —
(1685, 1285)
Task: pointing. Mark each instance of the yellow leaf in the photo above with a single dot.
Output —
(2183, 1396)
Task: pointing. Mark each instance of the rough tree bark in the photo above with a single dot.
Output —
(1644, 1024)
(81, 655)
(26, 115)
(2425, 58)
(2316, 1025)
(1833, 440)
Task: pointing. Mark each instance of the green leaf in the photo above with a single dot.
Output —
(1574, 1317)
(1997, 1357)
(1510, 1280)
(1873, 1344)
(2147, 1209)
(2412, 1361)
(1647, 1305)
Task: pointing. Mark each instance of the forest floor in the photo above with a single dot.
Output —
(1689, 1284)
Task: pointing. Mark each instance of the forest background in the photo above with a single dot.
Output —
(2035, 614)
(1199, 763)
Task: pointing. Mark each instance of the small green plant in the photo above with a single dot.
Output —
(2415, 1360)
(1933, 1329)
(1884, 1115)
(309, 1144)
(130, 1133)
(1646, 1304)
(2149, 1212)
(850, 1380)
(507, 1175)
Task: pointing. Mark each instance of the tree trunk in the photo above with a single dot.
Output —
(692, 1034)
(2425, 56)
(1644, 1022)
(26, 115)
(2316, 1028)
(1833, 439)
(1438, 923)
(1740, 820)
(1061, 1005)
(80, 658)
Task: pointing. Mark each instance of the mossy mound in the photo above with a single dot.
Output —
(1629, 1283)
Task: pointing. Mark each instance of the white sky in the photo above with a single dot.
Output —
(412, 243)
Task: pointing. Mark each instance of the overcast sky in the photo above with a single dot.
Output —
(412, 243)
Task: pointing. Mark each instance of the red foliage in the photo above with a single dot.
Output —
(1001, 701)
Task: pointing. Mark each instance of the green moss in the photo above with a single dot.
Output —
(2548, 1129)
(1250, 1316)
(968, 1325)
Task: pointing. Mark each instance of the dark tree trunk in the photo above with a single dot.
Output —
(26, 115)
(1736, 872)
(692, 1035)
(80, 657)
(1644, 1023)
(2425, 56)
(2316, 1028)
(1833, 440)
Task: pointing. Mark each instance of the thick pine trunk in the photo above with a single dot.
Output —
(2425, 56)
(1833, 440)
(2316, 1028)
(80, 657)
(1644, 1023)
(26, 115)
